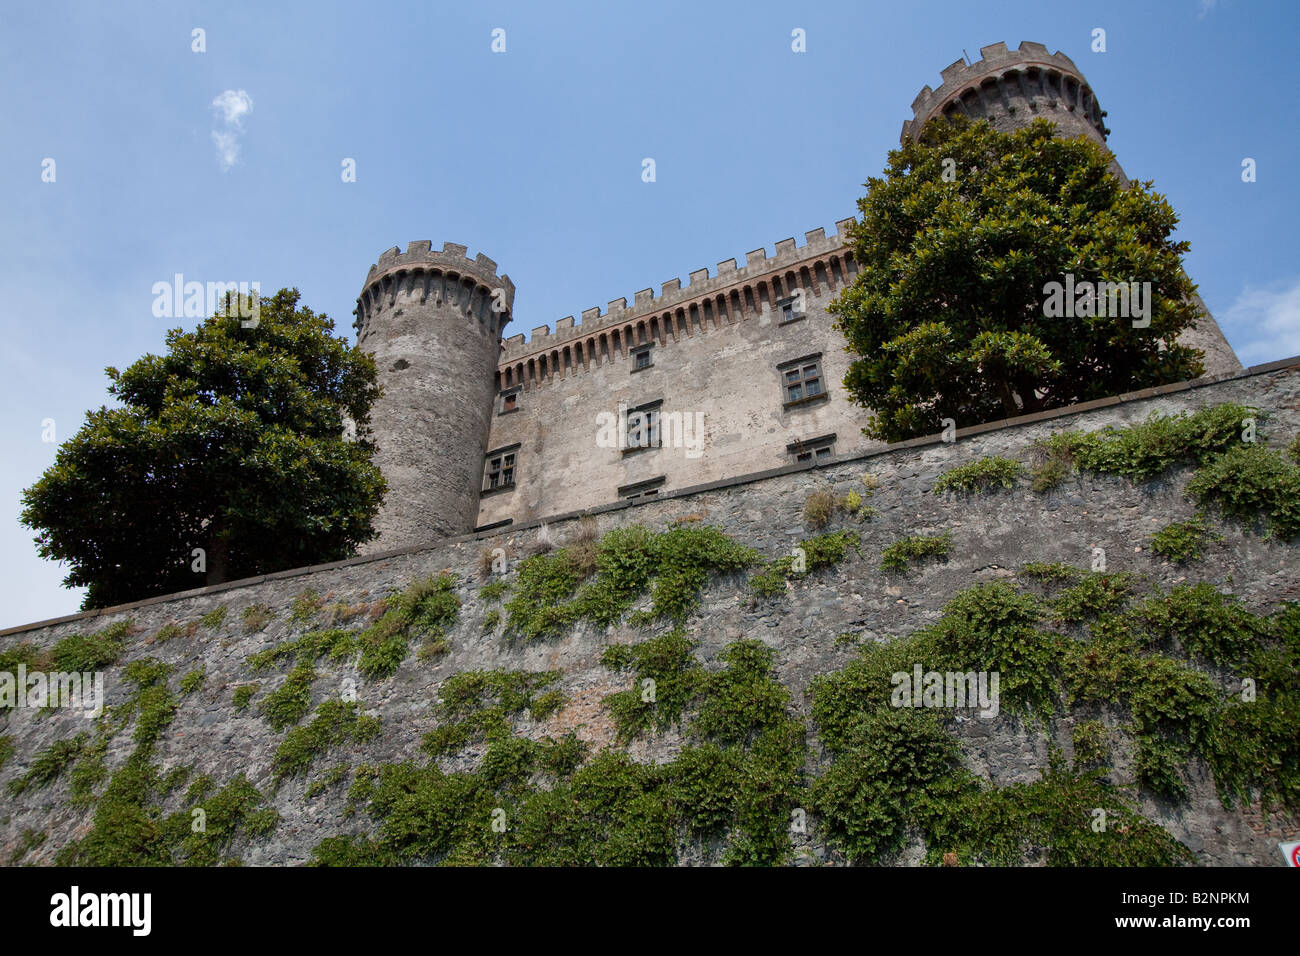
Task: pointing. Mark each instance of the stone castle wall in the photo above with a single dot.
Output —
(992, 535)
(718, 346)
(716, 354)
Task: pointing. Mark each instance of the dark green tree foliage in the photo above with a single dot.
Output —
(233, 442)
(947, 316)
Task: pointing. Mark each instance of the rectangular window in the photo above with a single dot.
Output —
(641, 489)
(643, 427)
(499, 470)
(509, 401)
(818, 449)
(789, 310)
(641, 358)
(802, 379)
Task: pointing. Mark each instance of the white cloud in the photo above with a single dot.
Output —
(231, 106)
(1206, 7)
(234, 106)
(1266, 320)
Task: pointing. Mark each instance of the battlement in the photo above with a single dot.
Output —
(453, 259)
(673, 294)
(420, 259)
(995, 78)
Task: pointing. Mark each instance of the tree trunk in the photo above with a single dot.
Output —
(1008, 399)
(218, 555)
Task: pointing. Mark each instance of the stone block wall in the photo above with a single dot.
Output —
(992, 535)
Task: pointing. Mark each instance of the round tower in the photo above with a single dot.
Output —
(1011, 89)
(432, 321)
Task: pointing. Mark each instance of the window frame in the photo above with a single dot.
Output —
(789, 300)
(651, 410)
(812, 448)
(637, 352)
(642, 490)
(508, 458)
(800, 367)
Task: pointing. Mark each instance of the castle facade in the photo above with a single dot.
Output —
(736, 372)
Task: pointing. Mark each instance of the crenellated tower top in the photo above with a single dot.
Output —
(420, 263)
(1010, 88)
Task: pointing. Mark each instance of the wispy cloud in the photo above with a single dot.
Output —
(1206, 7)
(1266, 320)
(231, 108)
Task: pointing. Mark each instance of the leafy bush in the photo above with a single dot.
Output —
(553, 591)
(1251, 482)
(243, 695)
(174, 629)
(305, 606)
(897, 556)
(891, 758)
(290, 702)
(1094, 594)
(1207, 624)
(1183, 541)
(823, 551)
(49, 764)
(426, 608)
(336, 721)
(477, 705)
(256, 617)
(668, 663)
(92, 652)
(1091, 747)
(214, 618)
(979, 475)
(1145, 450)
(1055, 571)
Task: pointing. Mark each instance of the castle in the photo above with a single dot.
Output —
(517, 439)
(475, 433)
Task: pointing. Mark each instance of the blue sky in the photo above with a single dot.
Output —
(225, 165)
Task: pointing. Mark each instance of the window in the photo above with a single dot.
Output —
(641, 358)
(789, 310)
(817, 449)
(509, 401)
(499, 471)
(801, 379)
(642, 489)
(643, 427)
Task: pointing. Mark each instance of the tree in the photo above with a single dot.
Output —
(951, 315)
(226, 458)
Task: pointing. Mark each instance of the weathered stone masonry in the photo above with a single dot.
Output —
(716, 347)
(992, 535)
(434, 321)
